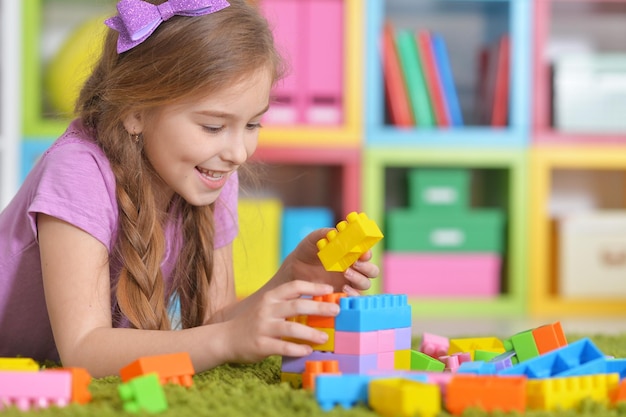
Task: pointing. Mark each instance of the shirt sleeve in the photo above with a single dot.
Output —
(225, 215)
(77, 186)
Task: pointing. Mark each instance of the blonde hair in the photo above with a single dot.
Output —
(185, 57)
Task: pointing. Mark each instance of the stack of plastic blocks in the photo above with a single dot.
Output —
(144, 378)
(25, 386)
(532, 370)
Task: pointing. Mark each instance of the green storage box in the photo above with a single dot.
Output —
(435, 189)
(480, 230)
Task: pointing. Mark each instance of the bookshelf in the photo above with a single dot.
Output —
(570, 171)
(495, 155)
(9, 100)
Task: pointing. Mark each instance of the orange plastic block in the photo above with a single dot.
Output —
(80, 384)
(567, 393)
(314, 368)
(321, 321)
(175, 368)
(486, 392)
(620, 394)
(549, 337)
(344, 245)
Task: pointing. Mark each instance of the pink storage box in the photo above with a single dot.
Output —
(442, 274)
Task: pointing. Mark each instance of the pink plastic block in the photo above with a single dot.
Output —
(286, 19)
(403, 338)
(455, 360)
(26, 390)
(356, 343)
(386, 361)
(386, 340)
(442, 275)
(324, 75)
(434, 345)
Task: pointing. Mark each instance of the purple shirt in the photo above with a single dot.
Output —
(72, 181)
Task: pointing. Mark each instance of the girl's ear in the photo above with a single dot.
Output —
(133, 123)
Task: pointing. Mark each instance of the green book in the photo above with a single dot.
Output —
(414, 78)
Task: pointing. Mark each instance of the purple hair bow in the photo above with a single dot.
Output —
(137, 19)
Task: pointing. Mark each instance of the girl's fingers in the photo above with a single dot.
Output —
(306, 307)
(296, 289)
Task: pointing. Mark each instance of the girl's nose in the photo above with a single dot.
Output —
(236, 150)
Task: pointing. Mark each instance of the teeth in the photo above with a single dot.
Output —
(211, 174)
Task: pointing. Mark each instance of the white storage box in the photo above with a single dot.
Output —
(590, 93)
(592, 255)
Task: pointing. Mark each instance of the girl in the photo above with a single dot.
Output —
(134, 206)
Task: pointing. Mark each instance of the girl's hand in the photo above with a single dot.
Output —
(257, 331)
(304, 264)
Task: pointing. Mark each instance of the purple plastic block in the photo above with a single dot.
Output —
(403, 338)
(295, 365)
(503, 360)
(27, 390)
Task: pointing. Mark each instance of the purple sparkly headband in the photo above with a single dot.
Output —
(137, 19)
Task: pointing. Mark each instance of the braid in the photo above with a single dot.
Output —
(140, 288)
(194, 269)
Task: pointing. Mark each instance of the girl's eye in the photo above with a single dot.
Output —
(213, 129)
(253, 126)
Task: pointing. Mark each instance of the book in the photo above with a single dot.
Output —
(500, 101)
(414, 78)
(396, 94)
(447, 79)
(432, 79)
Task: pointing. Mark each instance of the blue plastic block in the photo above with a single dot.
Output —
(300, 221)
(349, 390)
(373, 312)
(477, 367)
(557, 361)
(599, 366)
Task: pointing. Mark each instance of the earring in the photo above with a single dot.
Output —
(135, 137)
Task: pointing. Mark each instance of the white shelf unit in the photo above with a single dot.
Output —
(10, 104)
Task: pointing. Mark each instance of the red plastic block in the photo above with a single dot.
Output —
(175, 368)
(344, 245)
(488, 393)
(325, 322)
(549, 337)
(314, 368)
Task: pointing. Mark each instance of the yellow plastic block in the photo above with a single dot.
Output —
(402, 360)
(256, 250)
(397, 397)
(568, 392)
(295, 380)
(470, 344)
(18, 364)
(329, 346)
(351, 238)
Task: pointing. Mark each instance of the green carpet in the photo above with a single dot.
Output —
(255, 390)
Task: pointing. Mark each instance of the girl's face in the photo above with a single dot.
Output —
(195, 146)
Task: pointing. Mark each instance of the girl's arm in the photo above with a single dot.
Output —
(76, 284)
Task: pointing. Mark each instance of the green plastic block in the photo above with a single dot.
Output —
(524, 345)
(143, 393)
(436, 189)
(422, 362)
(480, 230)
(484, 355)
